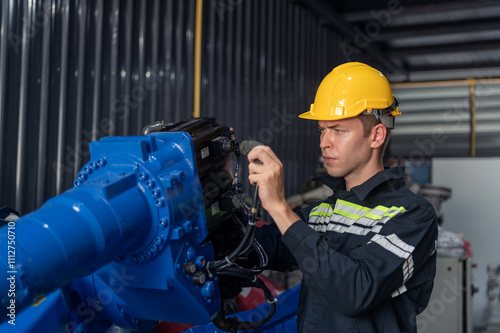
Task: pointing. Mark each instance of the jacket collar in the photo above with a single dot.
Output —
(392, 176)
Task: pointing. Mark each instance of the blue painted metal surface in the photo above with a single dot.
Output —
(284, 319)
(133, 219)
(51, 315)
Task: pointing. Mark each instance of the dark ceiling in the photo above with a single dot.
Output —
(420, 40)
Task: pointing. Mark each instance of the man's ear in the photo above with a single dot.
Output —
(379, 132)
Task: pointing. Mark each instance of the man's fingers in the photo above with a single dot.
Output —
(256, 167)
(263, 154)
(253, 179)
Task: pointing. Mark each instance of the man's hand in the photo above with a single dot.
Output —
(269, 177)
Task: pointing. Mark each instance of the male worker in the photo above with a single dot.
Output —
(368, 252)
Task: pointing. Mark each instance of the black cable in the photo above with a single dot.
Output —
(242, 247)
(242, 274)
(253, 211)
(261, 253)
(233, 324)
(227, 266)
(246, 208)
(236, 184)
(257, 247)
(244, 244)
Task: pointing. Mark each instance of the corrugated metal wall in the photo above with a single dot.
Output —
(73, 71)
(447, 119)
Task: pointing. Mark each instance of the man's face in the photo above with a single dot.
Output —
(345, 150)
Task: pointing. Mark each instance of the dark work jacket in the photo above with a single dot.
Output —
(368, 256)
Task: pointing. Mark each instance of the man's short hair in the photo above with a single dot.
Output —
(369, 121)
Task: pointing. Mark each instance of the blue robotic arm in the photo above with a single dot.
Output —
(135, 232)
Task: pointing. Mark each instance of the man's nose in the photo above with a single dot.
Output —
(325, 142)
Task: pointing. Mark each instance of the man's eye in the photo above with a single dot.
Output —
(321, 130)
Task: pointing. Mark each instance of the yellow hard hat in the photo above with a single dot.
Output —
(351, 89)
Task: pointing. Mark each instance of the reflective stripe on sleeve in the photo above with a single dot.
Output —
(394, 244)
